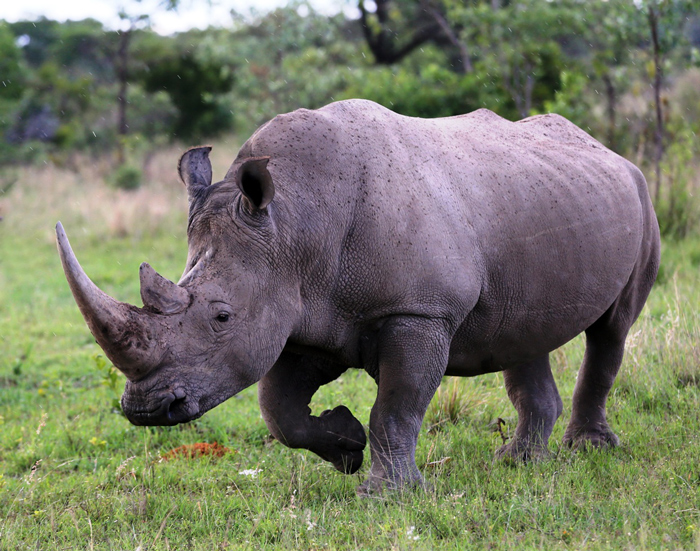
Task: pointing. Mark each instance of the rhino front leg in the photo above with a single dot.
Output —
(412, 357)
(284, 394)
(533, 392)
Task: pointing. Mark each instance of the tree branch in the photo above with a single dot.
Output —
(452, 38)
(385, 50)
(653, 17)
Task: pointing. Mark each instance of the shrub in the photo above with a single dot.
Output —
(678, 210)
(127, 177)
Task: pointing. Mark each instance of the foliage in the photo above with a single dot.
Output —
(39, 37)
(673, 15)
(65, 75)
(570, 100)
(428, 90)
(192, 76)
(193, 86)
(83, 48)
(679, 209)
(12, 81)
(284, 61)
(608, 59)
(518, 46)
(11, 66)
(53, 92)
(127, 177)
(393, 30)
(516, 58)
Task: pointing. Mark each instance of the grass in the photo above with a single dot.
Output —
(74, 474)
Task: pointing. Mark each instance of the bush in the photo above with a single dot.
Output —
(127, 177)
(678, 209)
(431, 91)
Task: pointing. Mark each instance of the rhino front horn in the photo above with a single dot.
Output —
(125, 333)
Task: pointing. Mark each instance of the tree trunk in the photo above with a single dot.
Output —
(529, 87)
(659, 131)
(611, 95)
(383, 41)
(452, 37)
(122, 78)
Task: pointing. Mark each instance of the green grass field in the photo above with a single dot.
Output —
(75, 474)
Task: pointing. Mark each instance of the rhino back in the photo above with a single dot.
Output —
(513, 232)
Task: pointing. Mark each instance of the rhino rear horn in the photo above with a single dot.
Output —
(159, 294)
(195, 170)
(255, 182)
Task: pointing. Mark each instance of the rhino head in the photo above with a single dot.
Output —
(197, 343)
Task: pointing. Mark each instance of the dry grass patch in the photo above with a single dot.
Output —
(83, 197)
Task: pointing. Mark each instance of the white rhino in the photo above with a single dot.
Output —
(351, 236)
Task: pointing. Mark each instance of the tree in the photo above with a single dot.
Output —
(517, 47)
(192, 85)
(122, 71)
(83, 47)
(393, 32)
(12, 85)
(12, 78)
(282, 60)
(39, 37)
(665, 18)
(611, 42)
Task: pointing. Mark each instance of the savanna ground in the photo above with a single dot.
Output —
(74, 474)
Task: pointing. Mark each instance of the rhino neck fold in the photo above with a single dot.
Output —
(125, 333)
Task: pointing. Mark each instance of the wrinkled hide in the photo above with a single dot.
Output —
(352, 236)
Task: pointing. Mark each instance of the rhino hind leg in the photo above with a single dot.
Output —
(605, 347)
(588, 425)
(533, 392)
(284, 394)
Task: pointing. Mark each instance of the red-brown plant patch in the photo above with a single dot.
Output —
(200, 449)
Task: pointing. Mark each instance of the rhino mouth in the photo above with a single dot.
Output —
(166, 408)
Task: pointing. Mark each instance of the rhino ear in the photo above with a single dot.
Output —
(195, 169)
(255, 182)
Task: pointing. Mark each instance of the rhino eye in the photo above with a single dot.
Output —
(222, 317)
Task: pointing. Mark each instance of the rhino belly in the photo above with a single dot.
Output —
(485, 344)
(542, 299)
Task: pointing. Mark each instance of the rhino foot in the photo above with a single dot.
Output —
(518, 452)
(600, 436)
(376, 486)
(344, 437)
(389, 476)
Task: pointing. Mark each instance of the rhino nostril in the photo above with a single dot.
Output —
(176, 406)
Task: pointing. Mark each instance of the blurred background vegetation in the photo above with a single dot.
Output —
(626, 71)
(91, 125)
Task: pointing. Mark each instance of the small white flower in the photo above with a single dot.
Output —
(409, 533)
(310, 525)
(253, 473)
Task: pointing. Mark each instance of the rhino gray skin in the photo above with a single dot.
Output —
(351, 236)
